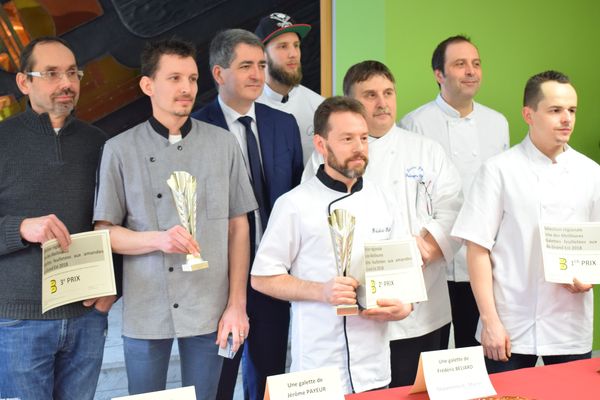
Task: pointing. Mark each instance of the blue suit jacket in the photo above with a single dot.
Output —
(281, 154)
(280, 146)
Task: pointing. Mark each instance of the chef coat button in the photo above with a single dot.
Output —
(455, 153)
(152, 159)
(179, 147)
(170, 269)
(159, 195)
(175, 305)
(475, 153)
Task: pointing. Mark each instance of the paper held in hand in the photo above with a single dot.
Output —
(455, 374)
(571, 251)
(84, 271)
(392, 271)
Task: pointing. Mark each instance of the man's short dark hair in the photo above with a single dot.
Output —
(533, 88)
(439, 54)
(153, 51)
(363, 71)
(26, 60)
(334, 105)
(222, 47)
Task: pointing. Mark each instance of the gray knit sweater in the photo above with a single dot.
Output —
(41, 173)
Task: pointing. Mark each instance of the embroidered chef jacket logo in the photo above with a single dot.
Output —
(381, 229)
(415, 173)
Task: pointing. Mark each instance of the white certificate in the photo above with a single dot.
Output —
(84, 271)
(392, 271)
(571, 251)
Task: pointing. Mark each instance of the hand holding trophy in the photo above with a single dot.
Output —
(341, 227)
(183, 187)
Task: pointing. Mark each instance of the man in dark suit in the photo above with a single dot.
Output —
(270, 142)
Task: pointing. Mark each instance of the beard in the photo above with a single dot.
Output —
(63, 108)
(343, 167)
(186, 111)
(182, 113)
(284, 77)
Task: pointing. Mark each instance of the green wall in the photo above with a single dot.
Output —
(516, 39)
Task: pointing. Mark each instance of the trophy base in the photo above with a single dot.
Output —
(194, 264)
(345, 310)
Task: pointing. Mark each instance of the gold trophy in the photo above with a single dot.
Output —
(183, 187)
(341, 227)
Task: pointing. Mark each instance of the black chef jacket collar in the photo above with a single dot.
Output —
(164, 131)
(337, 185)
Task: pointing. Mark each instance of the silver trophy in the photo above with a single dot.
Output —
(341, 227)
(183, 187)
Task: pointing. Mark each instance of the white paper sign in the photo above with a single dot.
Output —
(184, 393)
(456, 374)
(571, 251)
(84, 271)
(392, 271)
(314, 384)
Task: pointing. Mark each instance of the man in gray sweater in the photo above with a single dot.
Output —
(47, 179)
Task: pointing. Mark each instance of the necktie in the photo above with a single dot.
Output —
(258, 182)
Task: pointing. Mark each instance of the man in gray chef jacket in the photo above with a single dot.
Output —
(161, 300)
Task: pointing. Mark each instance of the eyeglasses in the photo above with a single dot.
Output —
(55, 76)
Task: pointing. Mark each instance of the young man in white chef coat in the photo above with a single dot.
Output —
(540, 180)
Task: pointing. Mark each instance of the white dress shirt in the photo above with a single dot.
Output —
(239, 131)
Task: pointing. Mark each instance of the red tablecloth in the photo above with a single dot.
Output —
(577, 380)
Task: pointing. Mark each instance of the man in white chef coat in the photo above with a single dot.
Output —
(296, 262)
(540, 180)
(470, 133)
(426, 188)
